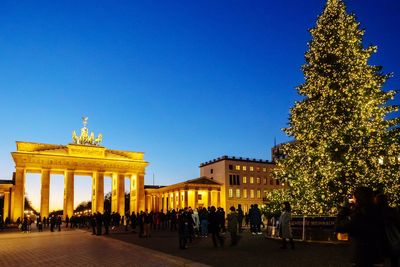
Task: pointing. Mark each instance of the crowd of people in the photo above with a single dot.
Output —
(373, 227)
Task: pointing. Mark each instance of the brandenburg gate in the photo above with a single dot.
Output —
(84, 156)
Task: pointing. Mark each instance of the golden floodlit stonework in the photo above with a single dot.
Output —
(78, 159)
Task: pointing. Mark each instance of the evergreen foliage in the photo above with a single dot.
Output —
(343, 138)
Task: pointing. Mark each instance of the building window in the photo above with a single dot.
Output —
(230, 167)
(244, 168)
(251, 168)
(258, 193)
(238, 193)
(237, 179)
(245, 193)
(212, 171)
(230, 192)
(244, 179)
(277, 182)
(258, 169)
(265, 180)
(199, 197)
(258, 180)
(251, 179)
(264, 169)
(230, 179)
(271, 181)
(251, 193)
(238, 167)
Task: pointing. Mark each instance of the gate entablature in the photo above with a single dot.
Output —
(83, 157)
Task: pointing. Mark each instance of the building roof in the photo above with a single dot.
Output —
(242, 159)
(201, 181)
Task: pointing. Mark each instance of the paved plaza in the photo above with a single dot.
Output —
(120, 248)
(78, 248)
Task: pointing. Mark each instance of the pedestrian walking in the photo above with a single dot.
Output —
(232, 219)
(285, 229)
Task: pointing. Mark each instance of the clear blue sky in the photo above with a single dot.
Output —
(182, 81)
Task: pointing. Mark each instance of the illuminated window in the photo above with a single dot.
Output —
(251, 193)
(244, 179)
(258, 180)
(244, 168)
(238, 193)
(264, 169)
(258, 193)
(251, 179)
(265, 180)
(230, 192)
(245, 193)
(251, 168)
(238, 167)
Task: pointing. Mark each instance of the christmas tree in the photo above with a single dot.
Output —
(342, 137)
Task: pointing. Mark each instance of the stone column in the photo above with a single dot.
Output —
(179, 199)
(132, 196)
(196, 198)
(18, 203)
(98, 192)
(6, 209)
(121, 196)
(118, 193)
(45, 193)
(140, 192)
(209, 197)
(186, 199)
(219, 198)
(68, 193)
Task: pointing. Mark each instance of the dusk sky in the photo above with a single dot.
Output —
(182, 81)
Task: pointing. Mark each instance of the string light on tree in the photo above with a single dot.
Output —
(342, 137)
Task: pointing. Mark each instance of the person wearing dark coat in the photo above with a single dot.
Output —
(107, 221)
(183, 228)
(99, 223)
(390, 216)
(232, 219)
(255, 219)
(133, 222)
(214, 228)
(52, 223)
(240, 217)
(93, 223)
(365, 228)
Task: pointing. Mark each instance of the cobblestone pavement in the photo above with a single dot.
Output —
(78, 248)
(252, 250)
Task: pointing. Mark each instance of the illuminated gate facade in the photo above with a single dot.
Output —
(84, 156)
